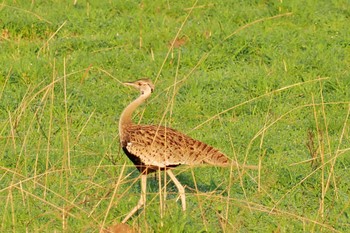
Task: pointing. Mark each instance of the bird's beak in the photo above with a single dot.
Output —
(128, 84)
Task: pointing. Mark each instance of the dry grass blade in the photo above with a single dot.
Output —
(112, 198)
(19, 186)
(257, 21)
(338, 150)
(52, 36)
(6, 81)
(3, 5)
(256, 98)
(174, 40)
(67, 158)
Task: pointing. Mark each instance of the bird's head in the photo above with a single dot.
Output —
(143, 85)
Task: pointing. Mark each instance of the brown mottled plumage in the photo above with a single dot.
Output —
(152, 147)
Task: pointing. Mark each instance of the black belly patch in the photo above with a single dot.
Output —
(141, 166)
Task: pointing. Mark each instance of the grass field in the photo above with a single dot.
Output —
(266, 82)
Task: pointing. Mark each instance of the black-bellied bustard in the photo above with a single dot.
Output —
(154, 147)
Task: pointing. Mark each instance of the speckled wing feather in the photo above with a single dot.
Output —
(162, 147)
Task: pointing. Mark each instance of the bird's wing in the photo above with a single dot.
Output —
(162, 147)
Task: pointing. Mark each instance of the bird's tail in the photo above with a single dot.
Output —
(217, 158)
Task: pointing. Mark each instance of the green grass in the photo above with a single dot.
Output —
(266, 82)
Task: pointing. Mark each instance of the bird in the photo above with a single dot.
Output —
(154, 147)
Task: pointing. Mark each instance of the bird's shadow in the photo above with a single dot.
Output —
(191, 182)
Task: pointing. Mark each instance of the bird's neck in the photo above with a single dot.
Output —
(126, 116)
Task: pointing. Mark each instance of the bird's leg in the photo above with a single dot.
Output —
(180, 188)
(142, 200)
